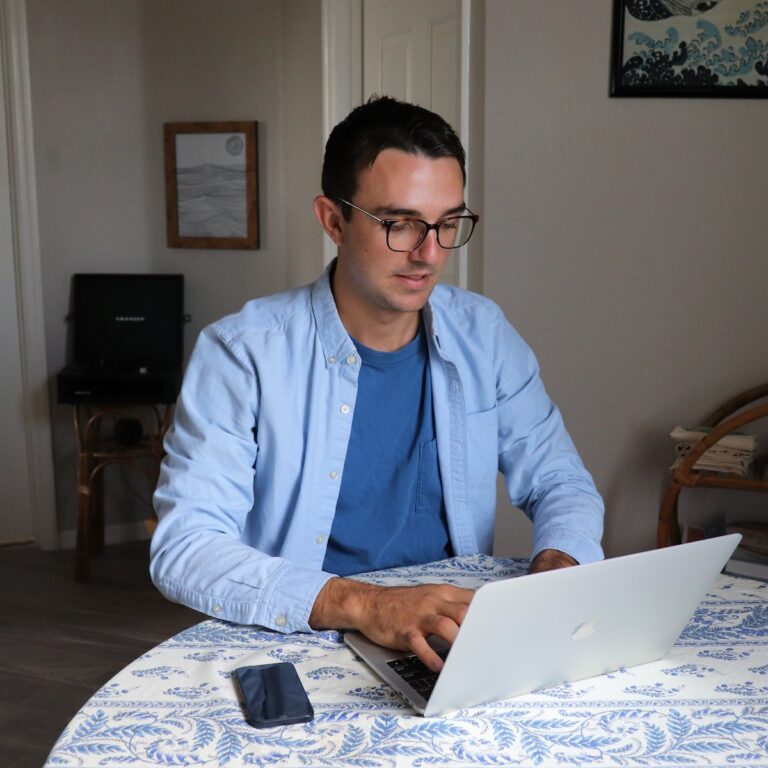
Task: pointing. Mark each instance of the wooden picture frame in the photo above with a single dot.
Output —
(211, 193)
(699, 48)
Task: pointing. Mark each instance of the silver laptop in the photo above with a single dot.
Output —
(542, 630)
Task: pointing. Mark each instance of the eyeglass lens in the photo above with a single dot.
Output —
(406, 235)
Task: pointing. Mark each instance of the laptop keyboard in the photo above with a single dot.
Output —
(416, 673)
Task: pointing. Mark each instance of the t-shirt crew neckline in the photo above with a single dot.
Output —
(378, 357)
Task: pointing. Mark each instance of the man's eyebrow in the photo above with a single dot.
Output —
(384, 211)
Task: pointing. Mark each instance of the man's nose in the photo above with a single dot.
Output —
(429, 249)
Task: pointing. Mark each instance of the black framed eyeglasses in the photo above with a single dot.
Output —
(405, 234)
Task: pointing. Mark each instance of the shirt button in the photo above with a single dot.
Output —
(320, 539)
(333, 474)
(352, 360)
(344, 409)
(332, 359)
(281, 621)
(216, 608)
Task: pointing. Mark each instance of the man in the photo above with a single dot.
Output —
(360, 422)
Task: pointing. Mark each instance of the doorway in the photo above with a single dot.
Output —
(425, 52)
(26, 471)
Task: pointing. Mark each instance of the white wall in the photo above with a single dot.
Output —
(105, 77)
(626, 239)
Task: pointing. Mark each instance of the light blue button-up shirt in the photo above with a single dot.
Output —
(248, 488)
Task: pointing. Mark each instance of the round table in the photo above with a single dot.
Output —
(706, 703)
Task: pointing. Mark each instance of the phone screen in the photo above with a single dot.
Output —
(273, 695)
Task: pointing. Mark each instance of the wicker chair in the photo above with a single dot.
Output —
(730, 416)
(96, 450)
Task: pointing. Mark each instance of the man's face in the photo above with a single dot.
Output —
(370, 276)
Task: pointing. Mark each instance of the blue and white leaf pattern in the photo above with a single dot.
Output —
(695, 670)
(323, 673)
(705, 704)
(163, 673)
(289, 655)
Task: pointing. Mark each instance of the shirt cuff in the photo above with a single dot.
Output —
(288, 599)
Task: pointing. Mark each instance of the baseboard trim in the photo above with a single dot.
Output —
(113, 534)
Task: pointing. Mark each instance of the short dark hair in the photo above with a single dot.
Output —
(383, 123)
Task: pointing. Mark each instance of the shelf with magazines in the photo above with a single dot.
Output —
(725, 421)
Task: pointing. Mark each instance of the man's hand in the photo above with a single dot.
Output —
(549, 559)
(395, 617)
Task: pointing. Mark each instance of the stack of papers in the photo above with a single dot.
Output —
(733, 454)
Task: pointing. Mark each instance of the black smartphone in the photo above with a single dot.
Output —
(273, 695)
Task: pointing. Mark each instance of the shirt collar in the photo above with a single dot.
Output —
(430, 323)
(333, 336)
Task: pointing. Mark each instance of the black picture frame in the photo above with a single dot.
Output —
(211, 190)
(720, 51)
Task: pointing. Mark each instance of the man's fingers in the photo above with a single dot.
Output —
(404, 617)
(444, 625)
(419, 645)
(455, 611)
(457, 594)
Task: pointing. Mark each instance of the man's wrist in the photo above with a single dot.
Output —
(342, 604)
(551, 559)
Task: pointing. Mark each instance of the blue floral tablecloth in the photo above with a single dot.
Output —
(706, 704)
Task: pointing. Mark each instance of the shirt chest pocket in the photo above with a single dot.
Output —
(482, 454)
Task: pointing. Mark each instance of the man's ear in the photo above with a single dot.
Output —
(329, 217)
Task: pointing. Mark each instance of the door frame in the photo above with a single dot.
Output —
(342, 45)
(17, 114)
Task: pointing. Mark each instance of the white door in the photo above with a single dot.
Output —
(16, 521)
(412, 51)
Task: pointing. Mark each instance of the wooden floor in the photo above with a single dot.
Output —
(61, 641)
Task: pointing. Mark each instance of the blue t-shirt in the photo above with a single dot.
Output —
(390, 510)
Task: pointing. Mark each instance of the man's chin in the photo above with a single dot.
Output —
(412, 301)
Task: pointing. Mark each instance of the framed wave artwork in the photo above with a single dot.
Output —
(710, 48)
(210, 185)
